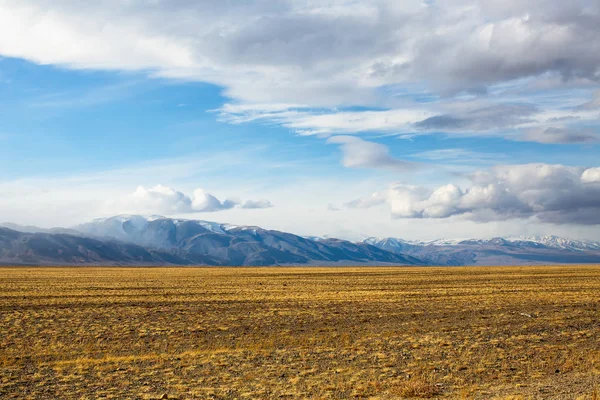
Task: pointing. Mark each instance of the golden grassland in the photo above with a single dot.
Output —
(323, 333)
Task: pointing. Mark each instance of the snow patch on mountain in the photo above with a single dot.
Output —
(556, 242)
(553, 242)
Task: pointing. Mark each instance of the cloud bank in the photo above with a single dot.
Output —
(264, 50)
(415, 66)
(165, 200)
(547, 193)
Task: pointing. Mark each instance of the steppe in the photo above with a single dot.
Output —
(313, 333)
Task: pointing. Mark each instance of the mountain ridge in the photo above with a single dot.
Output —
(161, 240)
(548, 241)
(495, 251)
(190, 242)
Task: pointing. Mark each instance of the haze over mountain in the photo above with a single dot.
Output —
(156, 240)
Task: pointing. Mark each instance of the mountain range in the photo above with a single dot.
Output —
(156, 240)
(495, 251)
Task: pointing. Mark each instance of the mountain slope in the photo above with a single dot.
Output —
(17, 248)
(237, 245)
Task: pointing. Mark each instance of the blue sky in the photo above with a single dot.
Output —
(321, 118)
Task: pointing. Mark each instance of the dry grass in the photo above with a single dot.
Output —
(338, 333)
(416, 387)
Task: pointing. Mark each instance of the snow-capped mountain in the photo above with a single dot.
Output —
(553, 242)
(157, 240)
(129, 226)
(498, 250)
(236, 245)
(400, 243)
(556, 242)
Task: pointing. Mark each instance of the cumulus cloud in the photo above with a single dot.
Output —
(547, 193)
(160, 198)
(591, 175)
(165, 200)
(202, 201)
(515, 39)
(358, 153)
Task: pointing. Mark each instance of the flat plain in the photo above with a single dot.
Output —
(323, 333)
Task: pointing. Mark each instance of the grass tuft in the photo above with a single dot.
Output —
(417, 387)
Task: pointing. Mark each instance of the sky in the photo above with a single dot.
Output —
(413, 119)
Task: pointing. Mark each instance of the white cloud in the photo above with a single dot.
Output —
(512, 121)
(165, 200)
(547, 193)
(307, 121)
(302, 64)
(203, 201)
(358, 153)
(321, 53)
(591, 175)
(159, 199)
(397, 120)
